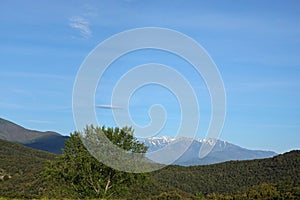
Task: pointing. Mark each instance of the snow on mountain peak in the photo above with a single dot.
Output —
(161, 140)
(221, 150)
(166, 138)
(210, 141)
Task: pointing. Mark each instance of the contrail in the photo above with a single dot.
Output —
(109, 107)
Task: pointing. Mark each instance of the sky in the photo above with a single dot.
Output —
(254, 44)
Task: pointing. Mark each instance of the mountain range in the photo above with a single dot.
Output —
(222, 151)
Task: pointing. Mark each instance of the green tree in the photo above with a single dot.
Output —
(264, 191)
(76, 174)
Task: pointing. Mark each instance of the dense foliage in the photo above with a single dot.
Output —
(272, 178)
(233, 176)
(19, 170)
(76, 174)
(262, 191)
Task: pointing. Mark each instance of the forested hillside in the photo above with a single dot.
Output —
(20, 169)
(277, 177)
(233, 176)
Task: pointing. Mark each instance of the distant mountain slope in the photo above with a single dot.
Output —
(21, 166)
(50, 143)
(221, 152)
(47, 141)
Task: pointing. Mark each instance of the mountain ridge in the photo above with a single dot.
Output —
(221, 150)
(49, 141)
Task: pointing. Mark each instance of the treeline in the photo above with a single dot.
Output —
(272, 178)
(75, 174)
(233, 176)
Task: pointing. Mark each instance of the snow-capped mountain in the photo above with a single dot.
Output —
(221, 150)
(160, 140)
(156, 143)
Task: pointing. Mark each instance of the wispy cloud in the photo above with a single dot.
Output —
(81, 24)
(109, 106)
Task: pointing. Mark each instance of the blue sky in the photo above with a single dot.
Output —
(255, 44)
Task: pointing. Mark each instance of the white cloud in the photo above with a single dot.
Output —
(82, 25)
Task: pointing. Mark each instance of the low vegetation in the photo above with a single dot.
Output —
(21, 167)
(75, 174)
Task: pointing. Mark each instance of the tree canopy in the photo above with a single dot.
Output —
(75, 173)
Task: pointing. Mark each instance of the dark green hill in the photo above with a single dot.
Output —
(226, 180)
(20, 167)
(47, 141)
(233, 176)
